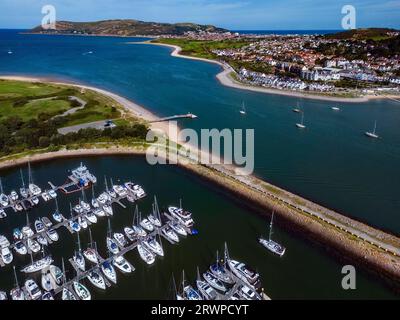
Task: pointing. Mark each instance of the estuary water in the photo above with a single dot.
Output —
(331, 162)
(304, 271)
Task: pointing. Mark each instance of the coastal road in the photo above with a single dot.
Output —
(99, 125)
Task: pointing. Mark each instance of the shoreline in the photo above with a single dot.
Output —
(225, 79)
(367, 246)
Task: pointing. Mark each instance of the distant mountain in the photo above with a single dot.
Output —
(364, 34)
(127, 28)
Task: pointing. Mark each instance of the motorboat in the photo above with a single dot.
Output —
(139, 231)
(42, 240)
(6, 255)
(112, 246)
(47, 281)
(177, 227)
(130, 234)
(206, 290)
(45, 196)
(112, 193)
(120, 191)
(96, 279)
(33, 289)
(56, 274)
(123, 265)
(244, 273)
(109, 271)
(131, 198)
(74, 225)
(147, 225)
(52, 193)
(4, 201)
(33, 245)
(34, 189)
(152, 244)
(58, 217)
(103, 198)
(221, 273)
(38, 265)
(67, 295)
(4, 242)
(14, 196)
(95, 203)
(170, 234)
(27, 231)
(39, 226)
(248, 293)
(3, 296)
(154, 220)
(35, 200)
(82, 175)
(214, 281)
(120, 239)
(145, 254)
(78, 209)
(82, 222)
(183, 216)
(24, 192)
(47, 296)
(99, 212)
(52, 234)
(136, 189)
(46, 221)
(17, 234)
(79, 260)
(85, 206)
(90, 255)
(3, 214)
(191, 294)
(81, 291)
(20, 248)
(91, 217)
(108, 210)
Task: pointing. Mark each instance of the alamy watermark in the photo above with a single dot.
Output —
(49, 20)
(349, 280)
(349, 18)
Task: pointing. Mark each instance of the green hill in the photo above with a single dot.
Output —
(364, 34)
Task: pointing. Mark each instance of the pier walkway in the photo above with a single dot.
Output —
(176, 117)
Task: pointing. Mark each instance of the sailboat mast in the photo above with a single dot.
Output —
(375, 127)
(22, 178)
(90, 237)
(16, 279)
(63, 270)
(270, 226)
(79, 242)
(1, 187)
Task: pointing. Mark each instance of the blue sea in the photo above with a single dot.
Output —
(331, 162)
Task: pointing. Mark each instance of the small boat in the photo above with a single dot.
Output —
(38, 265)
(154, 220)
(82, 292)
(24, 192)
(99, 212)
(17, 293)
(95, 203)
(47, 281)
(39, 226)
(178, 228)
(3, 214)
(6, 255)
(75, 226)
(96, 279)
(58, 217)
(206, 290)
(14, 196)
(33, 289)
(191, 294)
(3, 296)
(221, 273)
(33, 245)
(109, 271)
(57, 274)
(214, 281)
(297, 109)
(244, 273)
(112, 193)
(45, 196)
(131, 198)
(82, 222)
(123, 265)
(103, 198)
(79, 260)
(130, 234)
(146, 224)
(120, 239)
(4, 242)
(112, 246)
(85, 206)
(78, 209)
(152, 244)
(52, 193)
(91, 217)
(301, 124)
(27, 231)
(270, 244)
(136, 189)
(170, 234)
(9, 52)
(139, 231)
(46, 221)
(35, 200)
(243, 109)
(42, 240)
(373, 133)
(248, 293)
(108, 210)
(20, 248)
(17, 234)
(4, 201)
(47, 296)
(145, 254)
(67, 295)
(183, 216)
(335, 108)
(120, 191)
(52, 234)
(90, 255)
(18, 207)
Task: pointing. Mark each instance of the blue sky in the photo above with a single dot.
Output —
(231, 14)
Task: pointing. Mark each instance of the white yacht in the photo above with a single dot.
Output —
(82, 292)
(154, 220)
(3, 214)
(170, 234)
(206, 290)
(152, 244)
(58, 217)
(75, 226)
(123, 265)
(191, 294)
(6, 255)
(109, 271)
(373, 133)
(4, 201)
(52, 234)
(67, 295)
(139, 231)
(83, 176)
(120, 191)
(248, 293)
(244, 273)
(108, 210)
(35, 200)
(38, 265)
(177, 227)
(82, 222)
(270, 244)
(46, 281)
(183, 216)
(52, 193)
(79, 260)
(135, 189)
(42, 240)
(147, 225)
(221, 273)
(243, 109)
(120, 239)
(39, 226)
(4, 242)
(14, 196)
(91, 217)
(78, 209)
(45, 196)
(27, 231)
(20, 248)
(103, 198)
(57, 274)
(145, 254)
(99, 212)
(112, 246)
(95, 203)
(301, 124)
(335, 108)
(3, 296)
(33, 289)
(33, 245)
(34, 189)
(130, 234)
(46, 221)
(97, 279)
(214, 281)
(90, 255)
(47, 296)
(85, 206)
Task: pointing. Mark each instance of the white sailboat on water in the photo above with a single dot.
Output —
(270, 244)
(301, 124)
(373, 133)
(243, 109)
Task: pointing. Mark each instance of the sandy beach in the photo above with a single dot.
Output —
(225, 78)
